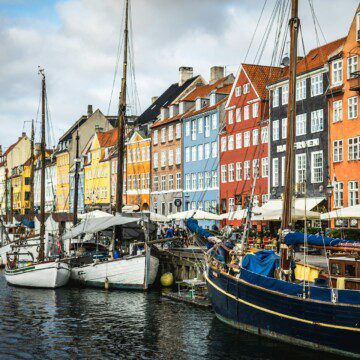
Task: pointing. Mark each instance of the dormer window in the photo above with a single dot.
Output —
(162, 114)
(337, 72)
(212, 99)
(181, 108)
(198, 104)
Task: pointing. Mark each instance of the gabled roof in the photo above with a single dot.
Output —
(108, 138)
(165, 99)
(11, 147)
(203, 91)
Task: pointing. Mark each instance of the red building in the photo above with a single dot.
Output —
(244, 139)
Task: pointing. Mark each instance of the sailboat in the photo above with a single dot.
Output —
(41, 274)
(257, 292)
(138, 269)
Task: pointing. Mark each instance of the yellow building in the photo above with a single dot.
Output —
(97, 171)
(62, 181)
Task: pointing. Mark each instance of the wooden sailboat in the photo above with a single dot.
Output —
(267, 301)
(40, 274)
(131, 272)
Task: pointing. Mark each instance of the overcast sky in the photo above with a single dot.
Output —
(76, 42)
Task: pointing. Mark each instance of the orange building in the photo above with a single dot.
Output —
(138, 170)
(344, 123)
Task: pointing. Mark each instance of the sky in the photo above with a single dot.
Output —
(77, 41)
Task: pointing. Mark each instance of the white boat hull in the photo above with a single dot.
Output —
(30, 247)
(49, 275)
(128, 273)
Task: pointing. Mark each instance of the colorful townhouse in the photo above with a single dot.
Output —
(85, 127)
(200, 130)
(344, 123)
(113, 158)
(311, 128)
(166, 145)
(244, 155)
(2, 182)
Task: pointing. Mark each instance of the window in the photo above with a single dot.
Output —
(156, 134)
(163, 159)
(214, 179)
(316, 85)
(207, 126)
(200, 152)
(193, 181)
(214, 121)
(275, 134)
(193, 205)
(207, 150)
(353, 107)
(285, 94)
(282, 170)
(143, 155)
(337, 111)
(223, 144)
(223, 173)
(163, 208)
(238, 141)
(156, 160)
(171, 157)
(352, 66)
(317, 167)
(300, 124)
(264, 198)
(300, 89)
(214, 149)
(198, 104)
(246, 112)
(265, 167)
(283, 128)
(201, 181)
(187, 128)
(353, 193)
(238, 115)
(193, 130)
(163, 182)
(255, 109)
(300, 168)
(238, 171)
(156, 183)
(339, 194)
(207, 205)
(178, 156)
(238, 91)
(247, 170)
(171, 133)
(264, 134)
(255, 134)
(246, 138)
(201, 125)
(187, 154)
(337, 150)
(212, 99)
(163, 134)
(171, 181)
(246, 88)
(200, 205)
(275, 99)
(255, 165)
(354, 148)
(358, 26)
(275, 172)
(207, 180)
(337, 72)
(317, 121)
(193, 153)
(178, 181)
(187, 182)
(230, 117)
(231, 142)
(231, 204)
(178, 131)
(231, 172)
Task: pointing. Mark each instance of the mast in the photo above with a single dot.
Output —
(42, 189)
(32, 160)
(76, 179)
(290, 136)
(121, 119)
(6, 195)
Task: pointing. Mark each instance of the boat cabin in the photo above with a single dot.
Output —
(345, 272)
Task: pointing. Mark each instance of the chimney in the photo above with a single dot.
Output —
(37, 148)
(153, 99)
(90, 111)
(185, 73)
(216, 73)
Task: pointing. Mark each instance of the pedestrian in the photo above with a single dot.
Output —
(169, 232)
(158, 232)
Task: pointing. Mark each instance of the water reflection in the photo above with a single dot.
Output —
(73, 323)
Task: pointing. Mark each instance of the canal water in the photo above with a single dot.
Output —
(72, 323)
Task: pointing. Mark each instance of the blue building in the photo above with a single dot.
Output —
(200, 128)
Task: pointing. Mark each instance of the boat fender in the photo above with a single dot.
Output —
(106, 284)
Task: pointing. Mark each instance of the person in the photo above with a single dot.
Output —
(177, 231)
(169, 232)
(158, 233)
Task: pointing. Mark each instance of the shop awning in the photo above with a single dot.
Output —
(195, 214)
(238, 214)
(300, 204)
(351, 212)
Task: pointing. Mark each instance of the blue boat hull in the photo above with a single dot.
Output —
(316, 324)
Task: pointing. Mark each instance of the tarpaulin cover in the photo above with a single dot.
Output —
(194, 227)
(262, 262)
(297, 238)
(28, 223)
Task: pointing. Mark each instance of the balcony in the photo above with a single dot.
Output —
(354, 81)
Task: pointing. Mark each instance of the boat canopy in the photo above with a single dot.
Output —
(195, 214)
(262, 262)
(351, 212)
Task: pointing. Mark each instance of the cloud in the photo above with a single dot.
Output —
(76, 42)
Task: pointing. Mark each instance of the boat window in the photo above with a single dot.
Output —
(349, 270)
(335, 269)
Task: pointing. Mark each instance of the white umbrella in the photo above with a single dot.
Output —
(155, 216)
(94, 215)
(276, 215)
(239, 214)
(196, 214)
(343, 213)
